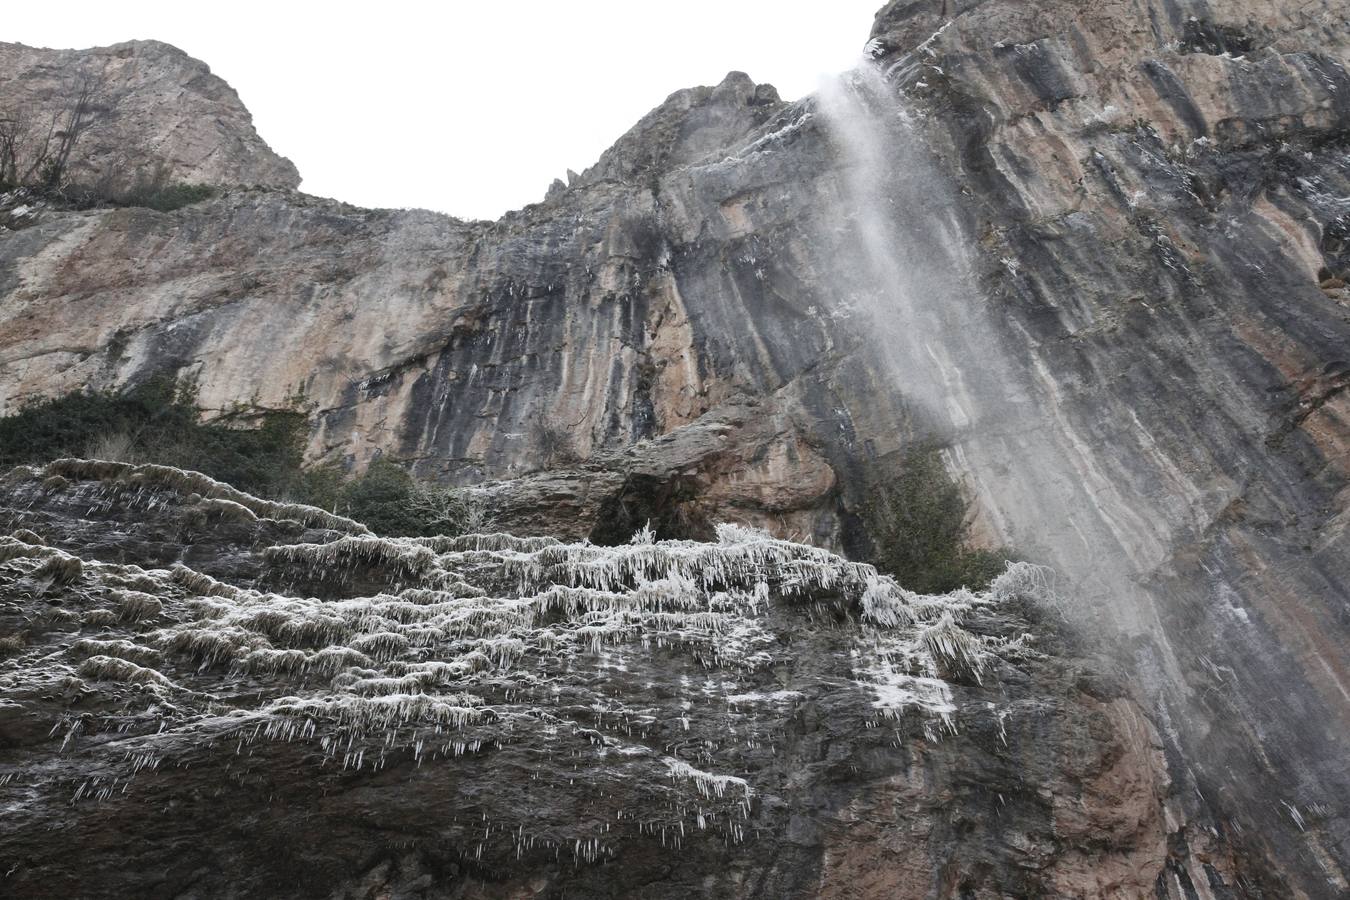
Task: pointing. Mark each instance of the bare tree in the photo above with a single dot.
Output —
(14, 128)
(31, 154)
(84, 107)
(554, 443)
(449, 511)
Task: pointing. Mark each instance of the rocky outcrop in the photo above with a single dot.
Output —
(1110, 274)
(153, 112)
(489, 716)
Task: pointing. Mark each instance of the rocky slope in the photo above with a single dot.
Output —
(489, 716)
(1110, 273)
(153, 110)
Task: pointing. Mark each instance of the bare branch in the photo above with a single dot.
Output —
(32, 155)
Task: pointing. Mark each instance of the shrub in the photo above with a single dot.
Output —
(165, 198)
(379, 498)
(259, 453)
(390, 502)
(554, 443)
(158, 421)
(149, 193)
(919, 529)
(116, 446)
(150, 188)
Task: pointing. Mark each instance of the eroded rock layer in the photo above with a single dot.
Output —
(305, 709)
(1111, 275)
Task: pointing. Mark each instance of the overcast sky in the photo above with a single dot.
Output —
(471, 108)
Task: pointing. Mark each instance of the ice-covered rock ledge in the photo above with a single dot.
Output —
(493, 710)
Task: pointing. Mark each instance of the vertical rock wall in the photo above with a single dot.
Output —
(1152, 202)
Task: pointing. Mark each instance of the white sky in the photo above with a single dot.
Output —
(470, 108)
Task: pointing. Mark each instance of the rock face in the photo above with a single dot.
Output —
(489, 716)
(1101, 251)
(1158, 196)
(154, 110)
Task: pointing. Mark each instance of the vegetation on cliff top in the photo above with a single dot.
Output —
(38, 154)
(261, 453)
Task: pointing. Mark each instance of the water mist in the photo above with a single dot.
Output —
(914, 278)
(1045, 483)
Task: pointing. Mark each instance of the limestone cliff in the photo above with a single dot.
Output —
(1118, 292)
(153, 110)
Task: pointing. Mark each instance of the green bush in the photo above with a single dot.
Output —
(150, 194)
(919, 529)
(158, 421)
(263, 454)
(166, 198)
(390, 502)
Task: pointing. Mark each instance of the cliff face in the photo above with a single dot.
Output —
(1158, 194)
(1117, 289)
(620, 311)
(490, 716)
(152, 110)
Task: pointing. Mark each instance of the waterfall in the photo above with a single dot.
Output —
(911, 247)
(1036, 483)
(1079, 481)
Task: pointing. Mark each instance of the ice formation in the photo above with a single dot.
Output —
(489, 640)
(132, 480)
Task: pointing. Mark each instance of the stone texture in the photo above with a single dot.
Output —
(1045, 780)
(1132, 240)
(155, 109)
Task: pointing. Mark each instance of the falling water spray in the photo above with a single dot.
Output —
(1099, 496)
(943, 346)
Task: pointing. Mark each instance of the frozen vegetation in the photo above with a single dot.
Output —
(488, 640)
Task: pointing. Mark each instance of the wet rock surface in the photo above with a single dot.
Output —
(1156, 192)
(490, 716)
(1131, 242)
